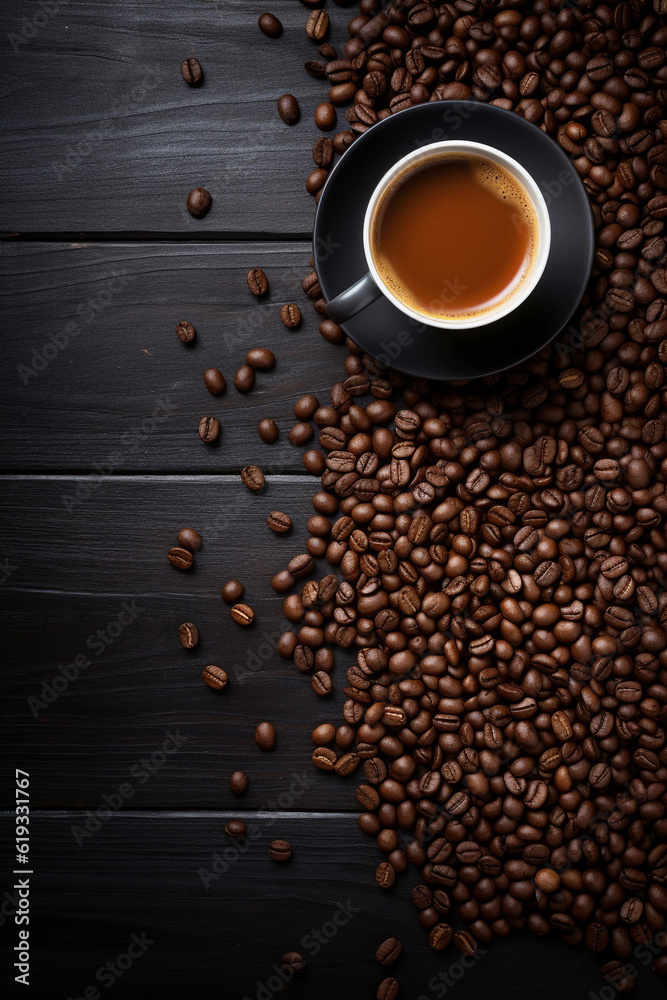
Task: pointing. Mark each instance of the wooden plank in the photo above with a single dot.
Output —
(89, 590)
(101, 132)
(140, 874)
(76, 396)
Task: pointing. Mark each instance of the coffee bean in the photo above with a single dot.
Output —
(235, 828)
(215, 677)
(189, 539)
(288, 109)
(180, 557)
(260, 358)
(268, 430)
(191, 71)
(322, 152)
(188, 635)
(244, 380)
(325, 116)
(389, 951)
(388, 989)
(385, 875)
(198, 203)
(440, 936)
(265, 736)
(252, 478)
(294, 961)
(280, 850)
(465, 943)
(257, 282)
(317, 25)
(214, 381)
(324, 758)
(232, 591)
(185, 332)
(238, 783)
(270, 25)
(243, 614)
(300, 433)
(279, 522)
(209, 429)
(290, 315)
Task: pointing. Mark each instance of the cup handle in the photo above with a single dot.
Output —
(353, 299)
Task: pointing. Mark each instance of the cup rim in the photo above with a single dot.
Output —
(541, 212)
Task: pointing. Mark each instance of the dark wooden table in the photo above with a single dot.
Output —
(128, 752)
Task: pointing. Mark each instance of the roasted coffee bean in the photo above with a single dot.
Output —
(180, 557)
(232, 591)
(198, 203)
(260, 358)
(215, 677)
(185, 332)
(440, 937)
(238, 783)
(385, 875)
(268, 430)
(388, 989)
(294, 961)
(252, 478)
(389, 951)
(209, 429)
(243, 614)
(324, 758)
(191, 71)
(270, 25)
(325, 116)
(317, 25)
(300, 433)
(235, 828)
(244, 380)
(189, 539)
(290, 315)
(279, 522)
(280, 850)
(257, 282)
(214, 381)
(322, 152)
(265, 736)
(188, 635)
(288, 109)
(465, 943)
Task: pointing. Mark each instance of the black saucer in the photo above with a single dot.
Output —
(418, 349)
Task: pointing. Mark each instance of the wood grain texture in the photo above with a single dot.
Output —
(140, 874)
(95, 583)
(101, 133)
(75, 396)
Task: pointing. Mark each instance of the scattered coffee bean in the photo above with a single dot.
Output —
(280, 850)
(300, 433)
(290, 315)
(270, 25)
(388, 989)
(324, 758)
(322, 152)
(305, 407)
(440, 937)
(180, 557)
(288, 109)
(385, 875)
(268, 430)
(198, 203)
(189, 539)
(323, 734)
(209, 429)
(279, 522)
(243, 614)
(188, 635)
(232, 591)
(215, 677)
(214, 381)
(252, 478)
(260, 358)
(191, 71)
(294, 961)
(465, 943)
(265, 736)
(235, 828)
(317, 25)
(238, 783)
(257, 282)
(244, 380)
(313, 461)
(325, 116)
(389, 951)
(185, 332)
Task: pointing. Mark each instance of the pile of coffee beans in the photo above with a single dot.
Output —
(497, 550)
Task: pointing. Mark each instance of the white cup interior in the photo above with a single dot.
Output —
(523, 289)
